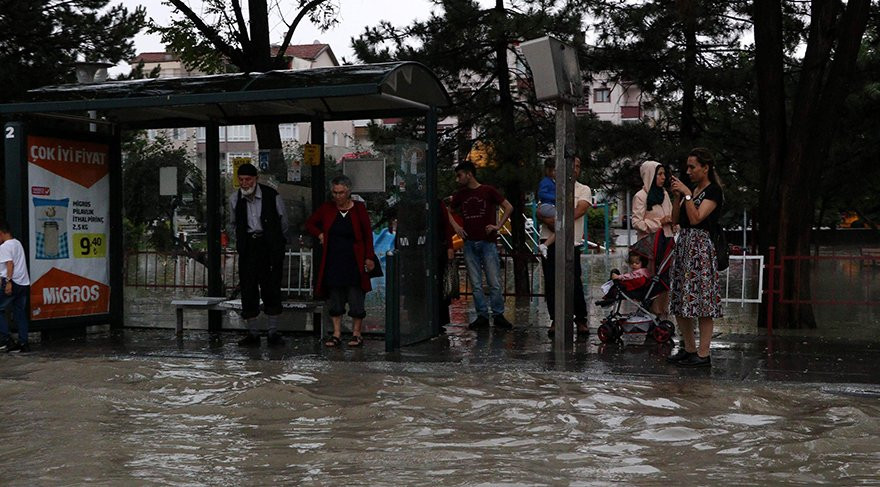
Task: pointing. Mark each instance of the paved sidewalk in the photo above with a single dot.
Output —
(736, 357)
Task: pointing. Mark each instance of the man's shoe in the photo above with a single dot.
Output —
(5, 344)
(250, 340)
(501, 322)
(480, 322)
(678, 356)
(19, 348)
(695, 361)
(274, 340)
(583, 331)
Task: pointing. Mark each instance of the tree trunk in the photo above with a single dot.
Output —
(687, 134)
(510, 158)
(793, 161)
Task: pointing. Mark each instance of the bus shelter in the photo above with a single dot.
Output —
(64, 177)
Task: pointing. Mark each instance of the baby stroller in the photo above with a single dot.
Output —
(658, 250)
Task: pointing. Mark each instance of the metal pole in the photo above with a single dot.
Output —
(563, 307)
(213, 204)
(628, 220)
(607, 231)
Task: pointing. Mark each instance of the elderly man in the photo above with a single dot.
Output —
(259, 221)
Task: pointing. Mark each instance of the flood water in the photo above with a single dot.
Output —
(310, 421)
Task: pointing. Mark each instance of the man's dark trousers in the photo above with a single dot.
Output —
(260, 275)
(580, 303)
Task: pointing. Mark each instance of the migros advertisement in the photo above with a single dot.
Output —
(69, 202)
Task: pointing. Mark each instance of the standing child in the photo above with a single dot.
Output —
(547, 204)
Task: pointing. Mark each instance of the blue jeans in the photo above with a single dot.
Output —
(18, 301)
(482, 256)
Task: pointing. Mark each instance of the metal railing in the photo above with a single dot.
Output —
(187, 270)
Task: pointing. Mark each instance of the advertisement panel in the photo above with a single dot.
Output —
(69, 201)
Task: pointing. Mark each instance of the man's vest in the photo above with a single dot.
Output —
(269, 218)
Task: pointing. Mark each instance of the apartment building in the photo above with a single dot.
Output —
(241, 140)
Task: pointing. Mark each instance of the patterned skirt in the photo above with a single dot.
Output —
(696, 286)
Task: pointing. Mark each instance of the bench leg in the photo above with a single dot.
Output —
(179, 322)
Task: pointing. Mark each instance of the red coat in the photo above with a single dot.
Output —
(321, 221)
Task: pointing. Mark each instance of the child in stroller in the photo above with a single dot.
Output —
(650, 259)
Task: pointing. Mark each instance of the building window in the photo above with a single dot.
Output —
(179, 134)
(288, 131)
(238, 133)
(335, 138)
(601, 95)
(325, 137)
(200, 134)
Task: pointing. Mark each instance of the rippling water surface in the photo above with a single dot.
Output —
(312, 422)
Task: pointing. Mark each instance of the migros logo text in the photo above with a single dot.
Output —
(71, 294)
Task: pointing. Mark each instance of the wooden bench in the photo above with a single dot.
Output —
(872, 256)
(206, 303)
(218, 303)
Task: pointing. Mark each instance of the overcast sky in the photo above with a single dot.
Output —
(354, 16)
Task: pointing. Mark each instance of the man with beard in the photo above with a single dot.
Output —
(258, 218)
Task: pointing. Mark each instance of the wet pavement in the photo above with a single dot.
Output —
(737, 357)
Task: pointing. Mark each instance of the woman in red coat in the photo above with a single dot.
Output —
(343, 228)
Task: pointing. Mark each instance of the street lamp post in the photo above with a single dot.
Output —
(557, 77)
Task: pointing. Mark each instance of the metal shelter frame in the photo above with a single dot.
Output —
(397, 89)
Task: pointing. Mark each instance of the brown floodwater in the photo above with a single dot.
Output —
(309, 421)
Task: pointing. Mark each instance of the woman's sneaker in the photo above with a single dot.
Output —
(19, 348)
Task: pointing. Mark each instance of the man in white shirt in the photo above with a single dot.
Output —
(16, 286)
(582, 198)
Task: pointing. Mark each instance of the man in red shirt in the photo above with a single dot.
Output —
(478, 205)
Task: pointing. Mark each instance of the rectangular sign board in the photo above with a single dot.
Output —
(69, 203)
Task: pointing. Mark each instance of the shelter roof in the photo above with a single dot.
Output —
(330, 93)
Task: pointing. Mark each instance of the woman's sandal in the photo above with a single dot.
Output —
(332, 342)
(356, 341)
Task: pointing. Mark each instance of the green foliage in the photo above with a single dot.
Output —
(41, 39)
(459, 42)
(221, 33)
(146, 212)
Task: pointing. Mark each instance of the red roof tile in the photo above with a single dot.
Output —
(154, 57)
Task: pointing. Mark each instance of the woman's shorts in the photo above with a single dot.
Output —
(353, 295)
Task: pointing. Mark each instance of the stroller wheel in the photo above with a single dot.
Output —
(663, 332)
(606, 333)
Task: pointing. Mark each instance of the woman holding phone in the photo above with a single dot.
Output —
(696, 287)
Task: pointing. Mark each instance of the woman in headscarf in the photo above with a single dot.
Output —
(652, 211)
(651, 206)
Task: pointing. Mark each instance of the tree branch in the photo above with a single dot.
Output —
(209, 32)
(242, 33)
(302, 13)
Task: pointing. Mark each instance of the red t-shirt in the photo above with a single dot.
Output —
(478, 207)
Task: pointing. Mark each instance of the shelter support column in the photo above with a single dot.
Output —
(433, 206)
(318, 172)
(117, 247)
(214, 203)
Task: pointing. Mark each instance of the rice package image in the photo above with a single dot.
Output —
(50, 220)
